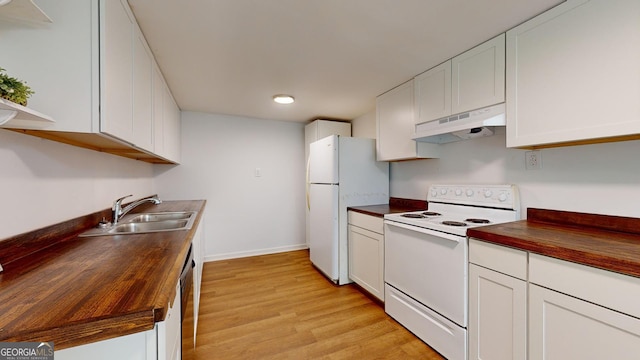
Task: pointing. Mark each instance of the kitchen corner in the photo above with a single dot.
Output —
(77, 290)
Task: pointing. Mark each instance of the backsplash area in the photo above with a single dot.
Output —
(598, 178)
(44, 182)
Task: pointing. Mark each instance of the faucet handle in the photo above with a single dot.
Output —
(116, 204)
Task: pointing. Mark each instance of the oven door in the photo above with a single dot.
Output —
(429, 266)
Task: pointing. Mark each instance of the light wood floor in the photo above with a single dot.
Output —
(279, 307)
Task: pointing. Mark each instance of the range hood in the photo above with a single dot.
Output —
(469, 125)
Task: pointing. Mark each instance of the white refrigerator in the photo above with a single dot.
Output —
(343, 172)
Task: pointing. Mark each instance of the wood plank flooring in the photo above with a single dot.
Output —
(279, 307)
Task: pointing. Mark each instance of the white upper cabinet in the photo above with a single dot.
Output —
(116, 71)
(472, 80)
(573, 75)
(395, 127)
(477, 76)
(143, 131)
(433, 93)
(93, 72)
(171, 134)
(166, 120)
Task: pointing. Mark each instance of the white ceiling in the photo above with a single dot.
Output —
(333, 56)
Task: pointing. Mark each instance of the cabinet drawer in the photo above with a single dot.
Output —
(615, 291)
(499, 258)
(369, 222)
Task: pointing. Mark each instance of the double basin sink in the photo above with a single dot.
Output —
(147, 223)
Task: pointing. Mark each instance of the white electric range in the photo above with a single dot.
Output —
(426, 260)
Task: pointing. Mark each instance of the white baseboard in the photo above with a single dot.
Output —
(241, 254)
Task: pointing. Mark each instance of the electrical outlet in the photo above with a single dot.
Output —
(258, 172)
(533, 160)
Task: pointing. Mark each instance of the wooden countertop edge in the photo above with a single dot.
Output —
(586, 239)
(604, 262)
(395, 205)
(90, 331)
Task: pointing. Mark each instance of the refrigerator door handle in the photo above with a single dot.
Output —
(307, 186)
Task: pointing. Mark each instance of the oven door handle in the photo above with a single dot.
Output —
(450, 237)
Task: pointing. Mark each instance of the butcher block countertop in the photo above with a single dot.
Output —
(77, 290)
(395, 205)
(607, 242)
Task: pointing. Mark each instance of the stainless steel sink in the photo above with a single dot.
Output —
(147, 223)
(138, 227)
(153, 217)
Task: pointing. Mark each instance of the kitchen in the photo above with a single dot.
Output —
(66, 181)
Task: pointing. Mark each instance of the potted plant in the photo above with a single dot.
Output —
(13, 89)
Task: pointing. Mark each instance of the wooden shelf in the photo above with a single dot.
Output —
(17, 116)
(23, 10)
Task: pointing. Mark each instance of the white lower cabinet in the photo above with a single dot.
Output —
(161, 343)
(497, 315)
(581, 312)
(198, 257)
(497, 302)
(563, 327)
(366, 252)
(528, 306)
(169, 331)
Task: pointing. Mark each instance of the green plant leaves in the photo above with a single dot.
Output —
(13, 89)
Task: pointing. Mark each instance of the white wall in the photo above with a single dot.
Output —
(245, 215)
(44, 182)
(364, 126)
(598, 178)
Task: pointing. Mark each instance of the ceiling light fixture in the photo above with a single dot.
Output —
(283, 99)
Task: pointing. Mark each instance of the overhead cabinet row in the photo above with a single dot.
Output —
(93, 72)
(566, 77)
(472, 80)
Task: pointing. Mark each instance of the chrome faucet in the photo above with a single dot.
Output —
(119, 211)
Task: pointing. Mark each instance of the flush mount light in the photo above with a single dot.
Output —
(283, 99)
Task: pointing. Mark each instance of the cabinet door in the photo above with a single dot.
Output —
(395, 126)
(171, 127)
(366, 260)
(573, 74)
(478, 76)
(116, 71)
(497, 315)
(198, 256)
(394, 115)
(169, 331)
(142, 93)
(433, 93)
(158, 111)
(564, 327)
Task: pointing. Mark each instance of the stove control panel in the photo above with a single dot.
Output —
(499, 196)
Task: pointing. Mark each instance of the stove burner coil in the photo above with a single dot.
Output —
(413, 216)
(477, 221)
(431, 213)
(453, 223)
